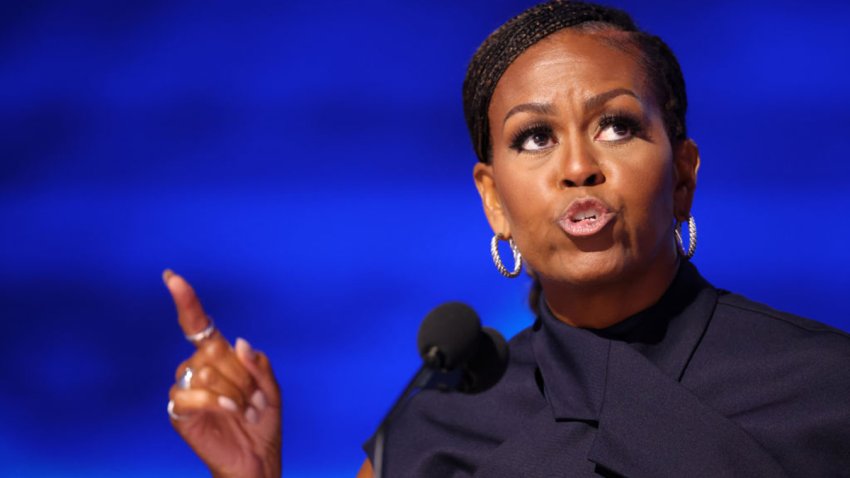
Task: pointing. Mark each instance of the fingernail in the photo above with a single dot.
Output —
(251, 415)
(171, 413)
(258, 399)
(166, 274)
(227, 403)
(244, 348)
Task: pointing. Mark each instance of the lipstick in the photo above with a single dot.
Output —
(585, 217)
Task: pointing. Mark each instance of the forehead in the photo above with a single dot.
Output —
(571, 62)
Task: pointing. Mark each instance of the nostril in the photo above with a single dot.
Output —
(593, 180)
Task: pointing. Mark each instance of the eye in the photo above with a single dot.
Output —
(616, 128)
(534, 138)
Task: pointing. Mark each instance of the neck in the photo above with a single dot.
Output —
(601, 305)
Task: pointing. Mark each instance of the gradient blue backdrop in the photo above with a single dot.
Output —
(306, 166)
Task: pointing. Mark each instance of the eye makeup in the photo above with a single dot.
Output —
(534, 129)
(622, 120)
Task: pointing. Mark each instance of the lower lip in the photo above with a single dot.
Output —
(586, 227)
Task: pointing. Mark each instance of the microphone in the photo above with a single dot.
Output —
(457, 354)
(465, 356)
(448, 335)
(486, 367)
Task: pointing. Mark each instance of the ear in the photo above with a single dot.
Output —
(686, 164)
(490, 199)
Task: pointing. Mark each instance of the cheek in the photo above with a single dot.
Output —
(647, 197)
(530, 206)
(525, 199)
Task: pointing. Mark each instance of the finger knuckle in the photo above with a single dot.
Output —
(207, 375)
(172, 391)
(205, 399)
(214, 349)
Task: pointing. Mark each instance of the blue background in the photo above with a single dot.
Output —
(306, 166)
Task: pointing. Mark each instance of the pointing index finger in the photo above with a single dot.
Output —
(190, 314)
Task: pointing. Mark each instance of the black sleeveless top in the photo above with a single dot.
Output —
(704, 383)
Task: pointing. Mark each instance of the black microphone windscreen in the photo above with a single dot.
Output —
(489, 362)
(453, 328)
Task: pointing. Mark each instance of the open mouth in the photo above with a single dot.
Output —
(586, 217)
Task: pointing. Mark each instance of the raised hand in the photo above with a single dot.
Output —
(228, 407)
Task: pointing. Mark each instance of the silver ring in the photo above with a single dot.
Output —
(171, 413)
(185, 380)
(202, 335)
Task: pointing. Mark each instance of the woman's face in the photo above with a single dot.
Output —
(583, 175)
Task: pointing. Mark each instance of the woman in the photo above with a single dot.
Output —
(636, 366)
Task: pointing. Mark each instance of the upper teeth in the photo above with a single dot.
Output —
(584, 215)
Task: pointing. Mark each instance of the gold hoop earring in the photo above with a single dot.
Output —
(692, 238)
(497, 259)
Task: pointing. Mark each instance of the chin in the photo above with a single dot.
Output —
(587, 269)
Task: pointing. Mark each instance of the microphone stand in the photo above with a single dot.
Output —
(423, 375)
(429, 372)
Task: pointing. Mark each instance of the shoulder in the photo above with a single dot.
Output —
(759, 345)
(754, 340)
(739, 320)
(782, 378)
(746, 309)
(440, 431)
(515, 392)
(751, 340)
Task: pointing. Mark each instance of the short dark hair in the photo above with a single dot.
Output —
(510, 40)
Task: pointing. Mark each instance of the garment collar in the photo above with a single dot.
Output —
(573, 362)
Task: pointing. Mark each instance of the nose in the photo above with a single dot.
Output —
(579, 168)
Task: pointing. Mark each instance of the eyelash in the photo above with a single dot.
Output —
(526, 132)
(632, 123)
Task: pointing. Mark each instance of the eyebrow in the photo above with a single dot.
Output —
(540, 108)
(594, 102)
(589, 104)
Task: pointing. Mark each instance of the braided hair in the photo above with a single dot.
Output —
(510, 40)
